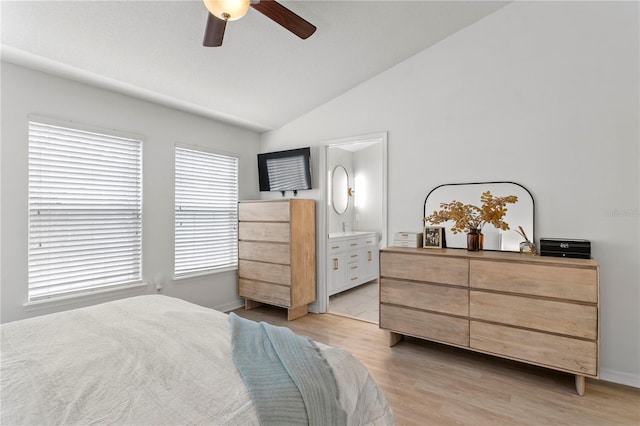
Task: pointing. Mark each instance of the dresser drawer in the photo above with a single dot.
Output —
(265, 252)
(445, 270)
(580, 284)
(539, 314)
(272, 294)
(448, 300)
(264, 212)
(270, 272)
(261, 231)
(564, 353)
(425, 324)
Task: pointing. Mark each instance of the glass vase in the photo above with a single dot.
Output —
(473, 240)
(527, 247)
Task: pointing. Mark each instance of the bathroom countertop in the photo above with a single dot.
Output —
(333, 235)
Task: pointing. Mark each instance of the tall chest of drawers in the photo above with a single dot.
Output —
(538, 310)
(277, 254)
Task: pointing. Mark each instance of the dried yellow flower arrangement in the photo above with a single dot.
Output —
(467, 217)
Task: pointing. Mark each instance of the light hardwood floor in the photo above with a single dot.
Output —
(361, 302)
(431, 384)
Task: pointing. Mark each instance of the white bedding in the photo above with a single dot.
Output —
(145, 360)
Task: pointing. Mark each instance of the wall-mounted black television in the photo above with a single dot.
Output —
(288, 170)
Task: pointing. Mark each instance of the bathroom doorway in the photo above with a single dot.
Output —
(356, 224)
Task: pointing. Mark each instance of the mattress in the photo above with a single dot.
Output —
(146, 360)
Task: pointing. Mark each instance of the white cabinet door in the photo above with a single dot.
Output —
(336, 272)
(369, 264)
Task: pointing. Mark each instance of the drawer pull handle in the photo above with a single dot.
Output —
(354, 267)
(369, 255)
(353, 244)
(354, 278)
(335, 264)
(335, 247)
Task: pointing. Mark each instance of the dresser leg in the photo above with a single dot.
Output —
(580, 384)
(297, 312)
(251, 304)
(395, 338)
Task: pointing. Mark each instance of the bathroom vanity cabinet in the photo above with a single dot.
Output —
(352, 260)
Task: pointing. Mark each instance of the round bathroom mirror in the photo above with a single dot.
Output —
(340, 189)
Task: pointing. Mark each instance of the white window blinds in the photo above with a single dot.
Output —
(85, 202)
(206, 211)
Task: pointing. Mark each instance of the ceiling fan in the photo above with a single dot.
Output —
(221, 11)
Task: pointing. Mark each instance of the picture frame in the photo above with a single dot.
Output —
(432, 237)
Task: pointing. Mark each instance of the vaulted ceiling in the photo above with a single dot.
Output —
(261, 78)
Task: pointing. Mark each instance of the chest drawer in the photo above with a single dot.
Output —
(448, 300)
(261, 231)
(575, 355)
(434, 269)
(265, 252)
(539, 314)
(578, 284)
(269, 212)
(265, 292)
(270, 272)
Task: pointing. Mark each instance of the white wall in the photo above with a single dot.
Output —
(337, 156)
(29, 92)
(369, 178)
(364, 164)
(541, 93)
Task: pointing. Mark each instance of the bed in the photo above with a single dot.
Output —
(159, 360)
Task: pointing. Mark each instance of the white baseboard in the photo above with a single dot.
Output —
(228, 307)
(620, 377)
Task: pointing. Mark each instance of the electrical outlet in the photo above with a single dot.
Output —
(159, 286)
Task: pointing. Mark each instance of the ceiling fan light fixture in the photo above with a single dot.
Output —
(228, 10)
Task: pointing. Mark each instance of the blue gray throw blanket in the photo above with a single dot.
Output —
(289, 380)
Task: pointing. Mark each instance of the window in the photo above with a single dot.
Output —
(206, 211)
(85, 203)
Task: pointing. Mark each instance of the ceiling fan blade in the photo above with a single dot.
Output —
(283, 16)
(214, 33)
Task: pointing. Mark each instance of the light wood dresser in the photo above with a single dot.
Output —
(277, 254)
(538, 310)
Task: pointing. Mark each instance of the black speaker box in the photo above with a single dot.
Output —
(560, 247)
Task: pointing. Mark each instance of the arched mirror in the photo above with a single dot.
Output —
(340, 189)
(519, 214)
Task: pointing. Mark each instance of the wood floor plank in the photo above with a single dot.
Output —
(429, 383)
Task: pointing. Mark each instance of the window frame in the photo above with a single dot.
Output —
(110, 135)
(233, 241)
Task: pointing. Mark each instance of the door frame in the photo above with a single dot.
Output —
(322, 301)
